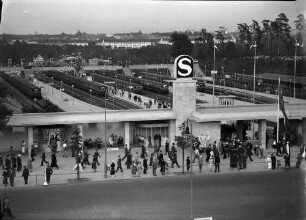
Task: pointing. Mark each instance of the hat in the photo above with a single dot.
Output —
(19, 155)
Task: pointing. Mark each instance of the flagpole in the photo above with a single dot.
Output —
(277, 134)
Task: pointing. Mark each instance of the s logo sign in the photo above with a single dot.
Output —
(183, 66)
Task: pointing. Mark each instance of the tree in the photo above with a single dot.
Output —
(267, 32)
(76, 141)
(281, 30)
(5, 114)
(256, 32)
(300, 28)
(180, 44)
(244, 34)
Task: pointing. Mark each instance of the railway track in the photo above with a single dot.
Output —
(241, 96)
(28, 104)
(112, 102)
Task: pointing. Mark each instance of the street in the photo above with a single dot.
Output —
(261, 195)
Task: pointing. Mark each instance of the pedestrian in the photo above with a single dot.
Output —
(126, 151)
(8, 162)
(19, 163)
(119, 164)
(112, 169)
(25, 174)
(208, 149)
(217, 163)
(7, 207)
(143, 151)
(94, 164)
(23, 147)
(49, 172)
(151, 159)
(167, 145)
(133, 168)
(5, 176)
(12, 175)
(86, 157)
(273, 160)
(65, 148)
(54, 160)
(32, 153)
(196, 155)
(201, 162)
(188, 163)
(210, 163)
(154, 166)
(96, 156)
(14, 161)
(79, 163)
(269, 161)
(129, 160)
(287, 160)
(139, 168)
(174, 159)
(162, 166)
(11, 151)
(29, 164)
(43, 158)
(298, 162)
(249, 147)
(145, 165)
(278, 161)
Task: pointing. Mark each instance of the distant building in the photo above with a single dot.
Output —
(164, 42)
(129, 44)
(94, 62)
(38, 61)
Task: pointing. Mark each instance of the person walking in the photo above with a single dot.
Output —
(54, 160)
(96, 156)
(119, 164)
(32, 153)
(287, 160)
(151, 159)
(269, 161)
(210, 164)
(86, 157)
(19, 163)
(154, 166)
(145, 165)
(8, 163)
(43, 158)
(5, 176)
(273, 160)
(49, 172)
(196, 155)
(188, 163)
(112, 169)
(129, 160)
(217, 163)
(25, 174)
(7, 207)
(12, 175)
(167, 145)
(126, 152)
(201, 162)
(23, 147)
(174, 159)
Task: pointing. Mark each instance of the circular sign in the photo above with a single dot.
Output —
(184, 66)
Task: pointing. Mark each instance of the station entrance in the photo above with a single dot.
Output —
(150, 133)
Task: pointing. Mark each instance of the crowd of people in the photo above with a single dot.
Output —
(151, 155)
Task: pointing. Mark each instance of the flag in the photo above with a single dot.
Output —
(1, 3)
(282, 105)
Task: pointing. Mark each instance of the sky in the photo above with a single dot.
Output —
(121, 16)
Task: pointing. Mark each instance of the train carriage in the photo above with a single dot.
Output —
(23, 85)
(80, 83)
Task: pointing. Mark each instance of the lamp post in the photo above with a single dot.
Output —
(112, 83)
(105, 148)
(52, 84)
(255, 46)
(245, 93)
(214, 72)
(90, 99)
(35, 102)
(294, 77)
(72, 86)
(205, 70)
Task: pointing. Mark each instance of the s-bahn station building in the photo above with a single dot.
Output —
(150, 122)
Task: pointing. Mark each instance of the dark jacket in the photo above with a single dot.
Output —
(25, 172)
